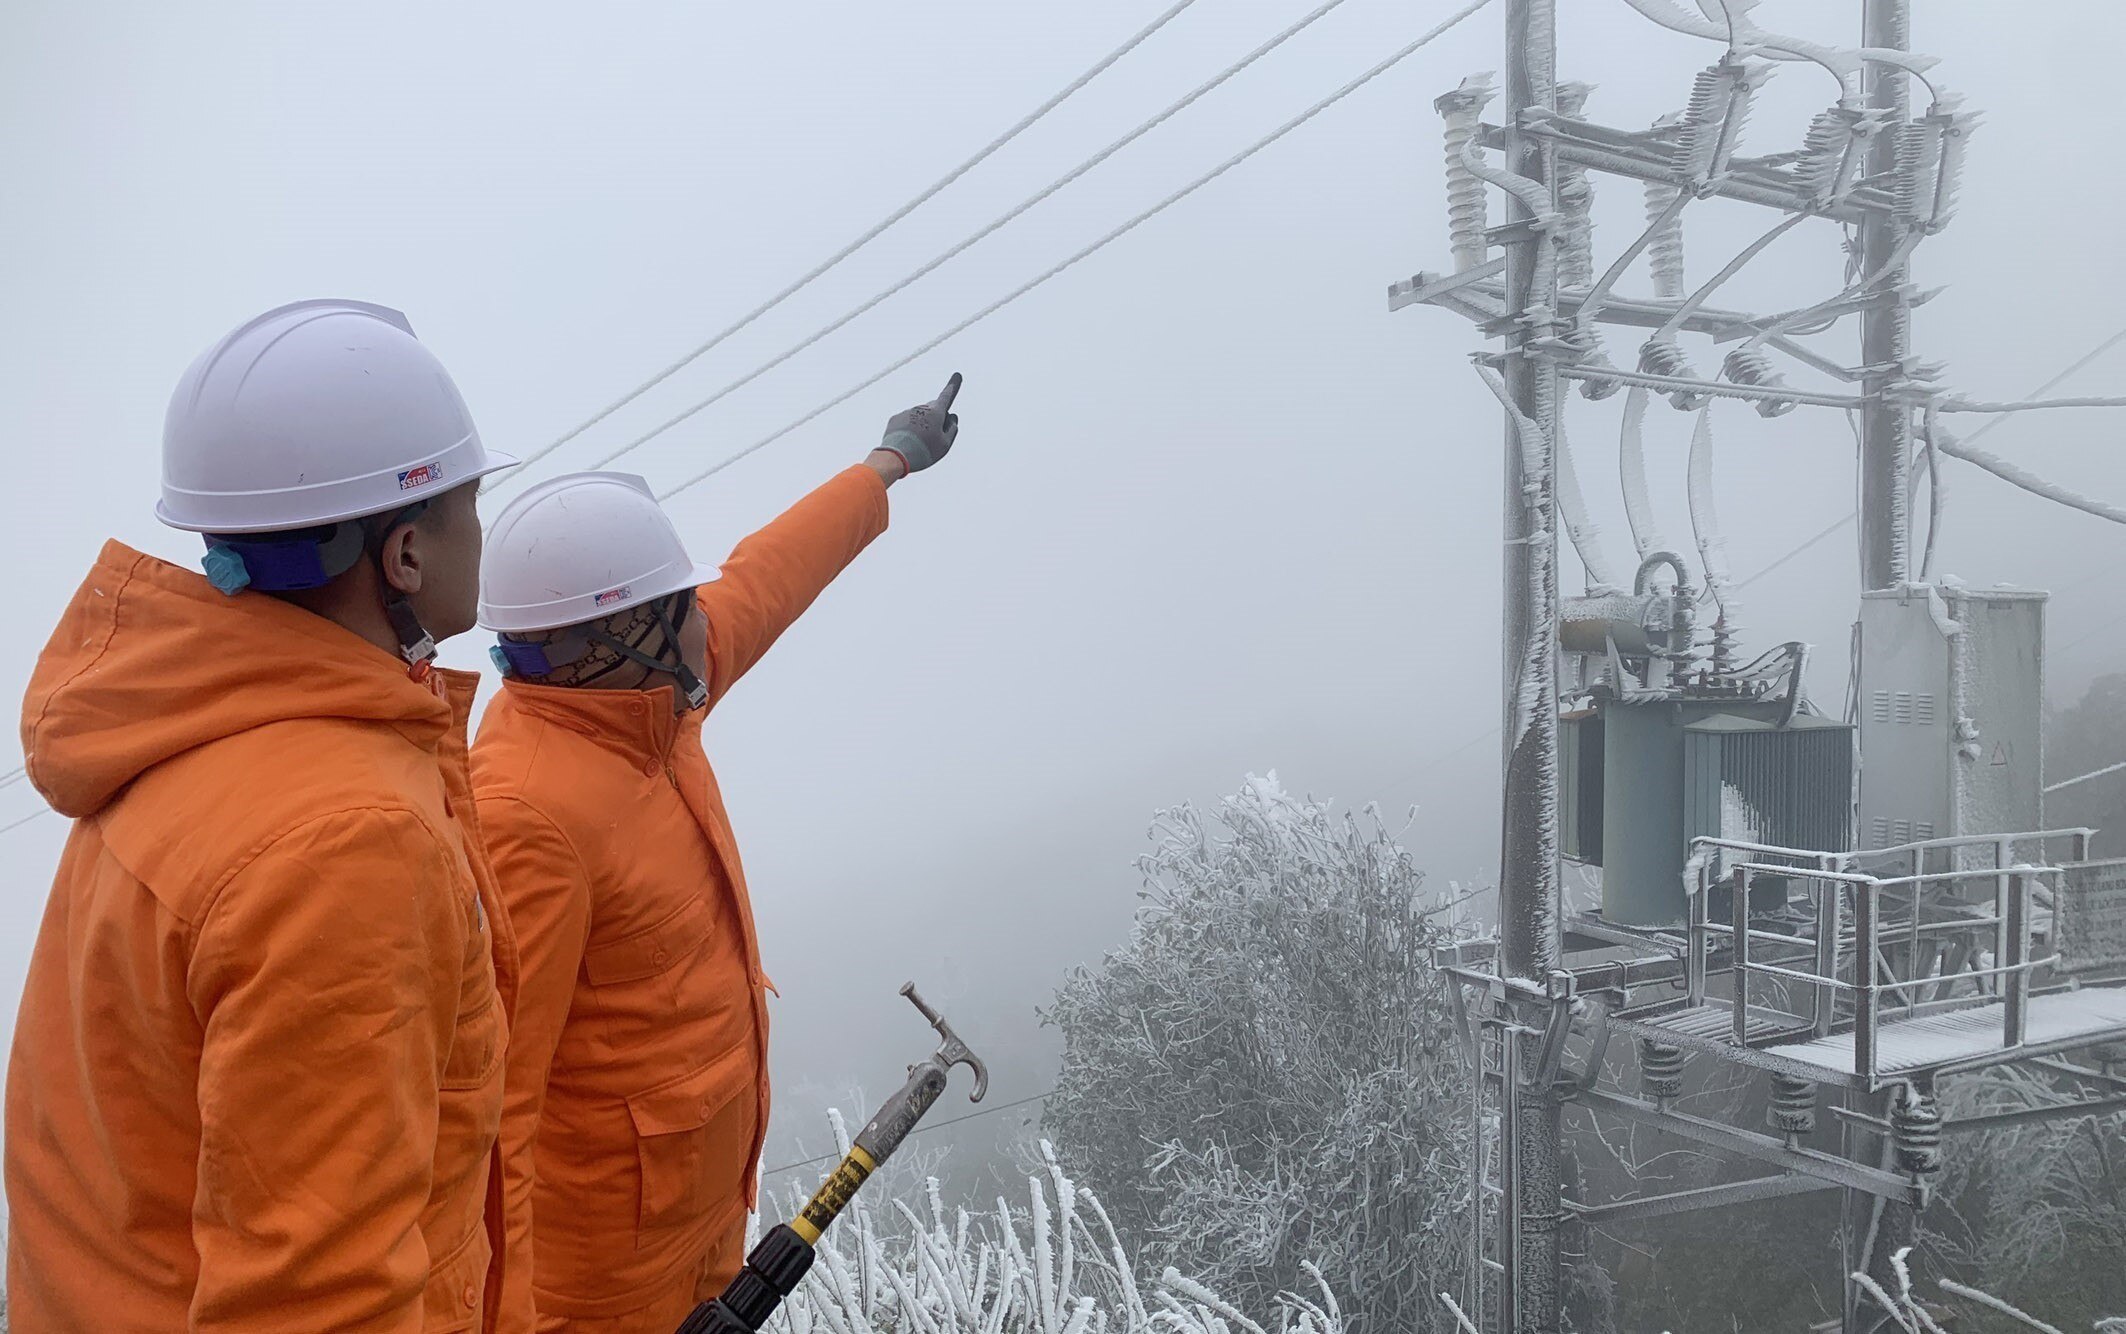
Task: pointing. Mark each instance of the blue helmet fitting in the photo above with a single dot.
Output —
(282, 562)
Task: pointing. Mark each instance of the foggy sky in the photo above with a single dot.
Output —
(1214, 509)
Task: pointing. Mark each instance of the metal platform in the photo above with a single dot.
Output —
(1970, 1038)
(1964, 1039)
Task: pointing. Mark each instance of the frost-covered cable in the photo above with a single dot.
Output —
(1534, 196)
(1748, 39)
(868, 236)
(1936, 493)
(1734, 266)
(1662, 230)
(1575, 201)
(2028, 481)
(1712, 541)
(1572, 515)
(1675, 385)
(1663, 354)
(1631, 473)
(2032, 404)
(1394, 59)
(1794, 318)
(996, 224)
(2095, 773)
(1532, 673)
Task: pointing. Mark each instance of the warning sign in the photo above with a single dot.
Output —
(2000, 754)
(2090, 917)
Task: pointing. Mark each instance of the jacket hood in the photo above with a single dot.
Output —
(149, 661)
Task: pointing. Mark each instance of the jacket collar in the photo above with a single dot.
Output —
(638, 724)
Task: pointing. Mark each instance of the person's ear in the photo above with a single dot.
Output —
(400, 559)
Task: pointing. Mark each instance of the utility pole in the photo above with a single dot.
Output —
(1876, 1229)
(1886, 323)
(1530, 902)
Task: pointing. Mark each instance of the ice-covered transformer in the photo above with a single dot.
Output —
(1640, 780)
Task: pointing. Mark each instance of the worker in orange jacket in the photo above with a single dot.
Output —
(637, 1088)
(257, 1071)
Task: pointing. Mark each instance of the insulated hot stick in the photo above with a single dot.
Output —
(783, 1257)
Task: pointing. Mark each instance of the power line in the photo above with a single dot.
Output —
(1845, 522)
(860, 242)
(18, 823)
(1189, 99)
(919, 1130)
(2098, 773)
(1156, 209)
(2099, 350)
(14, 775)
(2099, 628)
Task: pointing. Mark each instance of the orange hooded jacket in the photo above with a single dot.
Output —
(257, 1073)
(638, 1091)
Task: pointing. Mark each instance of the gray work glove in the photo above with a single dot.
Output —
(921, 436)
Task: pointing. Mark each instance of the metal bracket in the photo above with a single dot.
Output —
(1765, 1149)
(1705, 1197)
(1425, 288)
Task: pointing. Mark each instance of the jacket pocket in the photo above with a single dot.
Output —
(456, 1285)
(649, 951)
(694, 1141)
(477, 1042)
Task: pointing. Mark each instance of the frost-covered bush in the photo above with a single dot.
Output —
(2035, 1211)
(1268, 1072)
(1054, 1266)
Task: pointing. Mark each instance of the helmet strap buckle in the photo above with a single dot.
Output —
(416, 645)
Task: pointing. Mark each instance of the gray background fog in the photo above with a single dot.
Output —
(1214, 509)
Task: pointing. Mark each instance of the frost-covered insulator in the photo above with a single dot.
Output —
(1831, 153)
(1793, 1109)
(1915, 1126)
(1660, 1069)
(1722, 645)
(1664, 251)
(1662, 356)
(1467, 215)
(1753, 366)
(1575, 202)
(1918, 161)
(1714, 119)
(1587, 340)
(1949, 171)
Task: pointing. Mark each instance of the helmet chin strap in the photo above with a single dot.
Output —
(693, 691)
(416, 645)
(568, 648)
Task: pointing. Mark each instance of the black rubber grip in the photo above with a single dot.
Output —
(772, 1272)
(713, 1318)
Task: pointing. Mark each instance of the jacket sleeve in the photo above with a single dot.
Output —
(548, 896)
(327, 976)
(772, 576)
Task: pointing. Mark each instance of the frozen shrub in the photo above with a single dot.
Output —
(2035, 1211)
(1054, 1266)
(1268, 1072)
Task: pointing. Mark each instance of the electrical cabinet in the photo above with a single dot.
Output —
(1951, 702)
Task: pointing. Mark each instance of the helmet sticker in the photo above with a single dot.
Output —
(421, 476)
(611, 595)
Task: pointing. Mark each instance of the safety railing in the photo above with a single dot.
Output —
(1843, 966)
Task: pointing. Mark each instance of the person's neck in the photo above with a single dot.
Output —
(359, 612)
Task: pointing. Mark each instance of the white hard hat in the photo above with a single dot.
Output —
(310, 414)
(579, 547)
